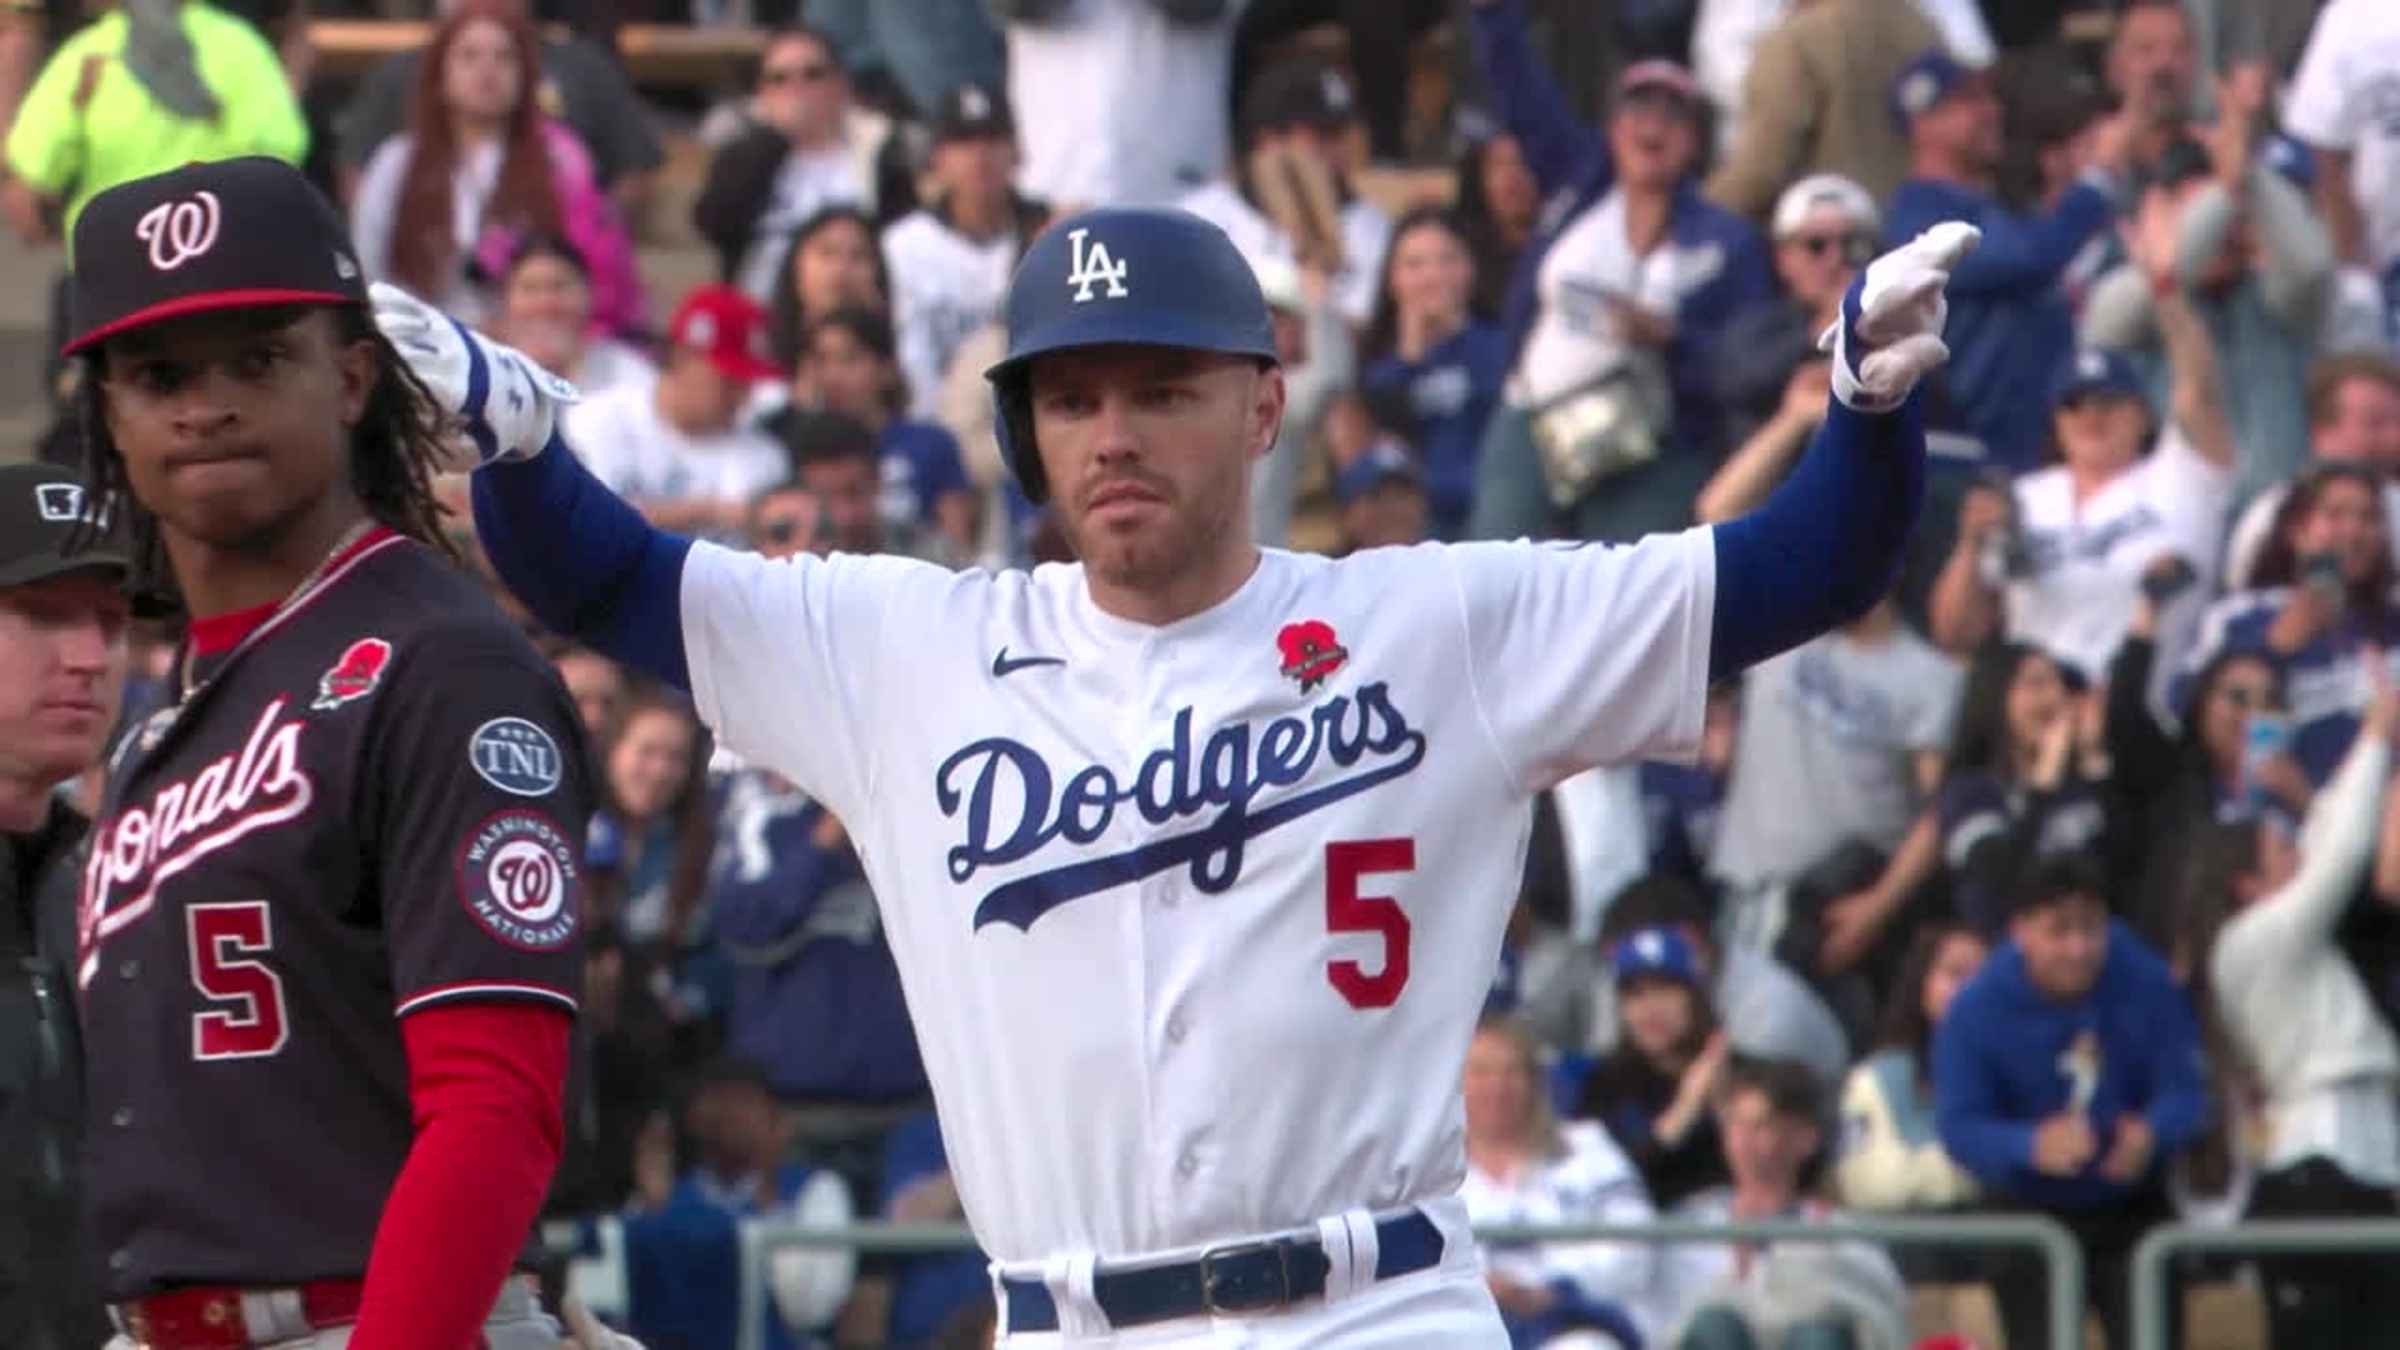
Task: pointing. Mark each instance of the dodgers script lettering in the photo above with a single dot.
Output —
(1230, 773)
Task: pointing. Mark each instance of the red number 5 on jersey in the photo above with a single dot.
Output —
(227, 941)
(1346, 911)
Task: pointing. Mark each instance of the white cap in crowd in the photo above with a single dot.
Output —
(1792, 209)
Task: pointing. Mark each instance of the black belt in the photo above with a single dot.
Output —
(1251, 1277)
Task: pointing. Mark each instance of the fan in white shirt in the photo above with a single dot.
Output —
(676, 448)
(2342, 102)
(2262, 914)
(2058, 560)
(1310, 112)
(950, 262)
(1120, 101)
(1524, 1167)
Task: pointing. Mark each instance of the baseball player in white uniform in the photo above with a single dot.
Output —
(1195, 856)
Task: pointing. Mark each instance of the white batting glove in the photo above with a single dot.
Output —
(505, 403)
(1890, 335)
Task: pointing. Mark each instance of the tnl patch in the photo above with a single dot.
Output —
(516, 875)
(516, 756)
(355, 675)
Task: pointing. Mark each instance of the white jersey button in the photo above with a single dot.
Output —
(1188, 1164)
(1176, 1028)
(121, 1117)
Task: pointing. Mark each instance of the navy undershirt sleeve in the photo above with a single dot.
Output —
(1826, 544)
(583, 561)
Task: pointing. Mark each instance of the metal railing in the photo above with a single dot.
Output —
(2256, 1238)
(2059, 1253)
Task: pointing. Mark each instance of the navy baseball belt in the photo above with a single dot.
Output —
(1244, 1278)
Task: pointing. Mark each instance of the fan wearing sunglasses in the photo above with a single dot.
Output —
(1825, 227)
(803, 144)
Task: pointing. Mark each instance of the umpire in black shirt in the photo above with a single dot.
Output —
(62, 669)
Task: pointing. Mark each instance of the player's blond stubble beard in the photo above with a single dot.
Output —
(1197, 531)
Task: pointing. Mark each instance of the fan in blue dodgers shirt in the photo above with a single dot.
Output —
(2064, 1075)
(816, 1002)
(1231, 1020)
(2322, 608)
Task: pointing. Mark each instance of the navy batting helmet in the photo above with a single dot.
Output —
(1118, 275)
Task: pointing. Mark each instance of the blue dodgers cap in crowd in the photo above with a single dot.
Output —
(2290, 158)
(1383, 462)
(1658, 951)
(1925, 82)
(2094, 370)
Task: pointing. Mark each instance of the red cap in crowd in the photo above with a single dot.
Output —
(727, 327)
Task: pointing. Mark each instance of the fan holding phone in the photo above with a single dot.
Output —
(2322, 607)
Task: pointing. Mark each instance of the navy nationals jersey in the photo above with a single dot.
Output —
(372, 804)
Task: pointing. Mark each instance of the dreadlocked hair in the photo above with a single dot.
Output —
(396, 450)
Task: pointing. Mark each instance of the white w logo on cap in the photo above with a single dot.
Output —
(179, 231)
(1090, 267)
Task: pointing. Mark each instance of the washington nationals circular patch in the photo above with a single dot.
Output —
(516, 875)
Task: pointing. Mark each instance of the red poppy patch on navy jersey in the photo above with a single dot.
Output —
(355, 675)
(516, 875)
(1310, 653)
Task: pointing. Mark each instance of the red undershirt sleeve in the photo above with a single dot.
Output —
(487, 1081)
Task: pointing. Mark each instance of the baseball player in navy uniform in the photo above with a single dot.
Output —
(1195, 856)
(328, 943)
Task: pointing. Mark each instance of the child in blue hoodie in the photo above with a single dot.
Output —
(2065, 1075)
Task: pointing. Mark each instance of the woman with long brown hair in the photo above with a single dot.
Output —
(440, 208)
(2324, 603)
(1891, 1158)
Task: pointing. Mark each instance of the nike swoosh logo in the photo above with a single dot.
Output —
(1002, 665)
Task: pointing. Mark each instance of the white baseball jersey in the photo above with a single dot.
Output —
(2085, 559)
(944, 287)
(2346, 96)
(1195, 921)
(1119, 54)
(626, 444)
(1366, 233)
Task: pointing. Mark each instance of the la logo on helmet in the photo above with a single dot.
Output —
(1090, 267)
(179, 231)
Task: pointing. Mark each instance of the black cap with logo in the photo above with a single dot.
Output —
(232, 234)
(1299, 93)
(970, 113)
(43, 510)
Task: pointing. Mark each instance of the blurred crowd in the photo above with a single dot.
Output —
(2065, 881)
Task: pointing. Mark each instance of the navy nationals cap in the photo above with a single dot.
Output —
(231, 234)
